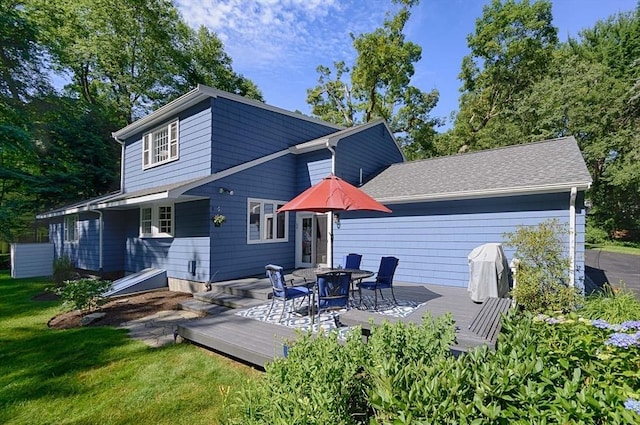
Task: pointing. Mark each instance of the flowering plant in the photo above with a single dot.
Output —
(218, 219)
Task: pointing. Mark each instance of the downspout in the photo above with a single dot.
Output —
(330, 219)
(572, 236)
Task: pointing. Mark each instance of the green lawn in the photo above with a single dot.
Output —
(621, 249)
(98, 375)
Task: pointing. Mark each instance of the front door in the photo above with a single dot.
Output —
(311, 240)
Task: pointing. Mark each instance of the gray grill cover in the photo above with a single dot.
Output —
(488, 272)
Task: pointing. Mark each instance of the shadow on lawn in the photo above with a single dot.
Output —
(36, 361)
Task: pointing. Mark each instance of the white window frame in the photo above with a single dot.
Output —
(266, 219)
(155, 221)
(71, 228)
(151, 150)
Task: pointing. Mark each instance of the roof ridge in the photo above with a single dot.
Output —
(538, 142)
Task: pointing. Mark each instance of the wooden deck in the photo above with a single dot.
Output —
(258, 343)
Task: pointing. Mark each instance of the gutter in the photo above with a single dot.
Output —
(572, 236)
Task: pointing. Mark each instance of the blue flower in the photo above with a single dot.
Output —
(623, 340)
(600, 324)
(633, 405)
(630, 325)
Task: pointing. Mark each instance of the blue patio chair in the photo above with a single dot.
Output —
(283, 291)
(333, 290)
(384, 280)
(351, 261)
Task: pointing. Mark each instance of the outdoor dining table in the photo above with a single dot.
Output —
(311, 274)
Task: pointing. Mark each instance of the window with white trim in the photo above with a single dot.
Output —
(71, 228)
(160, 145)
(264, 225)
(156, 221)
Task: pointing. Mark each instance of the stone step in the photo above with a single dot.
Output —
(203, 308)
(246, 288)
(227, 300)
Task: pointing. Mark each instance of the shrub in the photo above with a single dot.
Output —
(63, 269)
(83, 294)
(613, 305)
(596, 235)
(542, 279)
(324, 381)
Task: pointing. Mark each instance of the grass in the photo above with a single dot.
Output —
(618, 248)
(99, 375)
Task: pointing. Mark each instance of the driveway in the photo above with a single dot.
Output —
(602, 266)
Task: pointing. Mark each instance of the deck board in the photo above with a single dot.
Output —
(258, 343)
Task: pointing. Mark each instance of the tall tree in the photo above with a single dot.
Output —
(21, 78)
(380, 86)
(131, 55)
(511, 49)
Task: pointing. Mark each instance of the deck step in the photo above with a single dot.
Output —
(259, 289)
(227, 299)
(203, 308)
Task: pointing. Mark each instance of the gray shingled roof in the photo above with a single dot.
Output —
(547, 166)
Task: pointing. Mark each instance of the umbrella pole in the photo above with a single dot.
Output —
(330, 248)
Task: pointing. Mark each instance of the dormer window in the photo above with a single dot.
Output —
(160, 145)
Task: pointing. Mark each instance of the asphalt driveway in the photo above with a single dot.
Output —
(602, 266)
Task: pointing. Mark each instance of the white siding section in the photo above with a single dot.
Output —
(31, 260)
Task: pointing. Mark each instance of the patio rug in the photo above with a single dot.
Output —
(329, 320)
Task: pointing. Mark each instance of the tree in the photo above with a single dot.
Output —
(380, 86)
(511, 49)
(201, 59)
(132, 55)
(21, 78)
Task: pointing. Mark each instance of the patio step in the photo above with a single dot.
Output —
(255, 288)
(203, 308)
(226, 299)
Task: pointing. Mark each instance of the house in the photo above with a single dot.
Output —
(212, 153)
(445, 207)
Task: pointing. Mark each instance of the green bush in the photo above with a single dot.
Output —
(541, 372)
(542, 279)
(613, 305)
(544, 370)
(596, 235)
(63, 269)
(325, 381)
(83, 294)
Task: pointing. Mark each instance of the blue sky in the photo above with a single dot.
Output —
(279, 44)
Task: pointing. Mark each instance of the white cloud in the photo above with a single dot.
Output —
(282, 35)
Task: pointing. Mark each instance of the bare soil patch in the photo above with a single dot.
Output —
(124, 309)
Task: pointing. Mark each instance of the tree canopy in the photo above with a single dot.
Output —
(378, 85)
(519, 84)
(120, 59)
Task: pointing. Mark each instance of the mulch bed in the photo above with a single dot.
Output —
(119, 310)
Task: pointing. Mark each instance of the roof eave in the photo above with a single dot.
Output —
(495, 193)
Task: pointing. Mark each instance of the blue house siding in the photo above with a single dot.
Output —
(231, 255)
(243, 132)
(194, 153)
(191, 243)
(370, 151)
(432, 240)
(310, 168)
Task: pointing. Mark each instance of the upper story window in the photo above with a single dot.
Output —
(160, 145)
(264, 224)
(71, 228)
(156, 221)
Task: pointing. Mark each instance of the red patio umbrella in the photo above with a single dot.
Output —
(333, 194)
